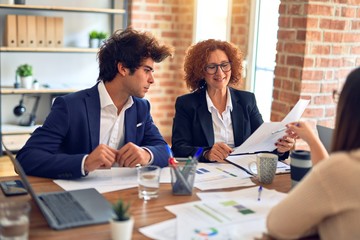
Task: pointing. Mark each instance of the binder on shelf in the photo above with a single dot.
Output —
(59, 32)
(10, 38)
(21, 31)
(40, 31)
(31, 31)
(50, 31)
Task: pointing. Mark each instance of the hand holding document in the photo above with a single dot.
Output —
(265, 137)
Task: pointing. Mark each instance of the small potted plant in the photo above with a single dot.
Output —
(122, 224)
(25, 71)
(93, 39)
(102, 36)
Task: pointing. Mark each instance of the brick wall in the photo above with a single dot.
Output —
(240, 21)
(318, 45)
(172, 22)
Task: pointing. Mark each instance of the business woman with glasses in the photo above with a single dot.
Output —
(214, 115)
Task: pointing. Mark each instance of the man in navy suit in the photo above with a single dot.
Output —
(107, 124)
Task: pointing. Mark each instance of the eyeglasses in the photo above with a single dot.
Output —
(213, 68)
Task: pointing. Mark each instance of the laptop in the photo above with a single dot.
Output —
(68, 209)
(325, 135)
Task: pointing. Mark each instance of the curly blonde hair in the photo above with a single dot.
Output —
(197, 56)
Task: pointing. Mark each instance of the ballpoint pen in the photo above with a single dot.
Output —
(181, 184)
(283, 129)
(280, 130)
(259, 193)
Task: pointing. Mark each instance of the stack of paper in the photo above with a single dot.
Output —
(219, 215)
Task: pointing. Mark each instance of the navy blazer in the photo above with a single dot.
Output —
(193, 128)
(72, 129)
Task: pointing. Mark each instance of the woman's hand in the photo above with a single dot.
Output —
(285, 144)
(301, 130)
(218, 152)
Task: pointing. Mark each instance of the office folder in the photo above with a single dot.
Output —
(21, 31)
(31, 31)
(59, 31)
(40, 31)
(50, 31)
(10, 39)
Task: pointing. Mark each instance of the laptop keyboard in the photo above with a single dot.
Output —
(65, 208)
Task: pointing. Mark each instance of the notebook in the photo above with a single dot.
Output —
(68, 209)
(325, 135)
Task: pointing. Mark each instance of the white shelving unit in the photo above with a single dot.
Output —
(14, 136)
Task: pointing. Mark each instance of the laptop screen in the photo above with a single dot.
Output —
(325, 135)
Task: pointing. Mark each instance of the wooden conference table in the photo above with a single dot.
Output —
(145, 213)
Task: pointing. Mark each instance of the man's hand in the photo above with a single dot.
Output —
(102, 156)
(130, 155)
(218, 152)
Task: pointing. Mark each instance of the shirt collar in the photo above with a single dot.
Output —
(105, 99)
(210, 104)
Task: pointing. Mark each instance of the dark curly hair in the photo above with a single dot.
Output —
(197, 56)
(131, 48)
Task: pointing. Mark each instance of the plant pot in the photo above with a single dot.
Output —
(122, 230)
(101, 41)
(26, 82)
(94, 43)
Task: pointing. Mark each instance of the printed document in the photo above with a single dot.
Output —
(264, 138)
(219, 215)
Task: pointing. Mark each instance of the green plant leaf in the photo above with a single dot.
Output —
(24, 70)
(121, 210)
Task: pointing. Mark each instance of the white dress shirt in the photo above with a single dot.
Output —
(112, 126)
(222, 124)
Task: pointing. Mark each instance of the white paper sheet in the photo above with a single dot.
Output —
(225, 215)
(165, 230)
(263, 138)
(103, 180)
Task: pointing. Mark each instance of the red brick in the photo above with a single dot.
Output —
(313, 112)
(294, 47)
(309, 87)
(286, 34)
(312, 75)
(355, 25)
(319, 10)
(294, 60)
(320, 49)
(298, 22)
(323, 100)
(332, 24)
(348, 12)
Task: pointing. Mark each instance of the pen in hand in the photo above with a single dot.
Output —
(280, 130)
(259, 193)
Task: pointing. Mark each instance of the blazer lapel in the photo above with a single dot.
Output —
(130, 127)
(92, 105)
(205, 119)
(237, 119)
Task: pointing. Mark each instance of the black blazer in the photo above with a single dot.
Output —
(192, 126)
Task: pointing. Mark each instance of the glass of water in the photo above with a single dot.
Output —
(14, 220)
(149, 181)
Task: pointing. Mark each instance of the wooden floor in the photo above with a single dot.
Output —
(6, 167)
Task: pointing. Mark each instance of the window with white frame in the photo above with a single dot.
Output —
(212, 20)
